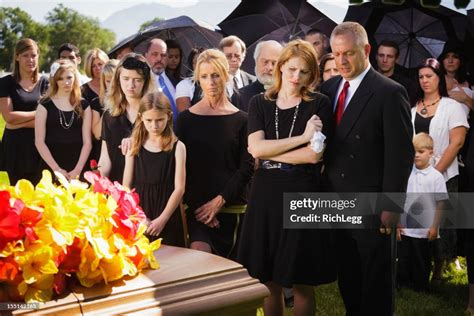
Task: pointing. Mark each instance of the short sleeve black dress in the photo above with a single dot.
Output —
(63, 135)
(269, 252)
(114, 129)
(87, 93)
(153, 179)
(19, 156)
(217, 163)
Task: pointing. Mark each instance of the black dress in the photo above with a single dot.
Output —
(19, 156)
(153, 179)
(87, 93)
(65, 144)
(269, 252)
(96, 143)
(217, 163)
(114, 129)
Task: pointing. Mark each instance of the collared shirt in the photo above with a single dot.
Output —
(421, 208)
(353, 85)
(238, 77)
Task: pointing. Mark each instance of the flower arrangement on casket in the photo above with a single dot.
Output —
(52, 235)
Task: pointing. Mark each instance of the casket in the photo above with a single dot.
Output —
(187, 282)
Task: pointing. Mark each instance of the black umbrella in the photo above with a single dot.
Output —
(420, 32)
(280, 20)
(187, 32)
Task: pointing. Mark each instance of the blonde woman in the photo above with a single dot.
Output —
(63, 123)
(95, 61)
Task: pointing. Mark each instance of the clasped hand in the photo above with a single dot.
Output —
(206, 214)
(313, 125)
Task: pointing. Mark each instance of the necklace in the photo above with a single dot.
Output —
(292, 123)
(63, 122)
(424, 110)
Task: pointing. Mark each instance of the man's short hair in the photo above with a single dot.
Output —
(154, 40)
(389, 43)
(258, 48)
(69, 48)
(353, 28)
(230, 40)
(315, 31)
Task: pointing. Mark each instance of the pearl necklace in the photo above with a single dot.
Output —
(292, 123)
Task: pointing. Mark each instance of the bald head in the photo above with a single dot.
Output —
(266, 55)
(156, 55)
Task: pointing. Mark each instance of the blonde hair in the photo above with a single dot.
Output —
(22, 46)
(423, 141)
(217, 59)
(75, 95)
(115, 101)
(305, 51)
(95, 53)
(107, 72)
(159, 102)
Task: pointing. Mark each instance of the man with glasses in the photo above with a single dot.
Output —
(71, 52)
(234, 50)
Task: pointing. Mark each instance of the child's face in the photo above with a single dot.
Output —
(155, 121)
(65, 81)
(422, 157)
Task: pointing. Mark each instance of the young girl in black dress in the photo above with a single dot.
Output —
(63, 123)
(155, 167)
(19, 95)
(131, 81)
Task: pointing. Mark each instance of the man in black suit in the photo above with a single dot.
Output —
(371, 151)
(266, 55)
(234, 50)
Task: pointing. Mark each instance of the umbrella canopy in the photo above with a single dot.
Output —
(420, 32)
(280, 20)
(187, 32)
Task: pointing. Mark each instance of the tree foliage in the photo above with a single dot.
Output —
(149, 23)
(63, 25)
(67, 25)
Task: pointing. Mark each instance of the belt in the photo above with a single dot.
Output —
(307, 168)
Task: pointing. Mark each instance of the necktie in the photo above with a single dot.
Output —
(236, 83)
(341, 100)
(168, 94)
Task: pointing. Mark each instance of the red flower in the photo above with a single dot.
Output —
(8, 269)
(69, 261)
(10, 228)
(29, 218)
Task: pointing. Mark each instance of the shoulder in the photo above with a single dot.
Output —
(251, 77)
(46, 102)
(95, 104)
(6, 82)
(84, 104)
(382, 84)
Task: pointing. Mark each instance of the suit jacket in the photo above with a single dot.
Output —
(241, 98)
(247, 78)
(371, 149)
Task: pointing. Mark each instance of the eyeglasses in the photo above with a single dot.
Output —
(229, 56)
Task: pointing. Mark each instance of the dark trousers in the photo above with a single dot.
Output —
(364, 271)
(414, 263)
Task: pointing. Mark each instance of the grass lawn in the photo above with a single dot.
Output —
(448, 298)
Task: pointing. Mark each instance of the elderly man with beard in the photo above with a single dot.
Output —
(266, 55)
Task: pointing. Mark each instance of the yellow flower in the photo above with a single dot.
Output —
(40, 291)
(12, 247)
(36, 262)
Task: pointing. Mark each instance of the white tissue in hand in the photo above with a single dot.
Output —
(317, 142)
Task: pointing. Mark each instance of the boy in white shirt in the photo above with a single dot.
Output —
(426, 193)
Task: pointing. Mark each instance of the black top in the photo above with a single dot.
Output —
(263, 117)
(114, 129)
(217, 158)
(22, 100)
(422, 124)
(97, 106)
(88, 93)
(65, 144)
